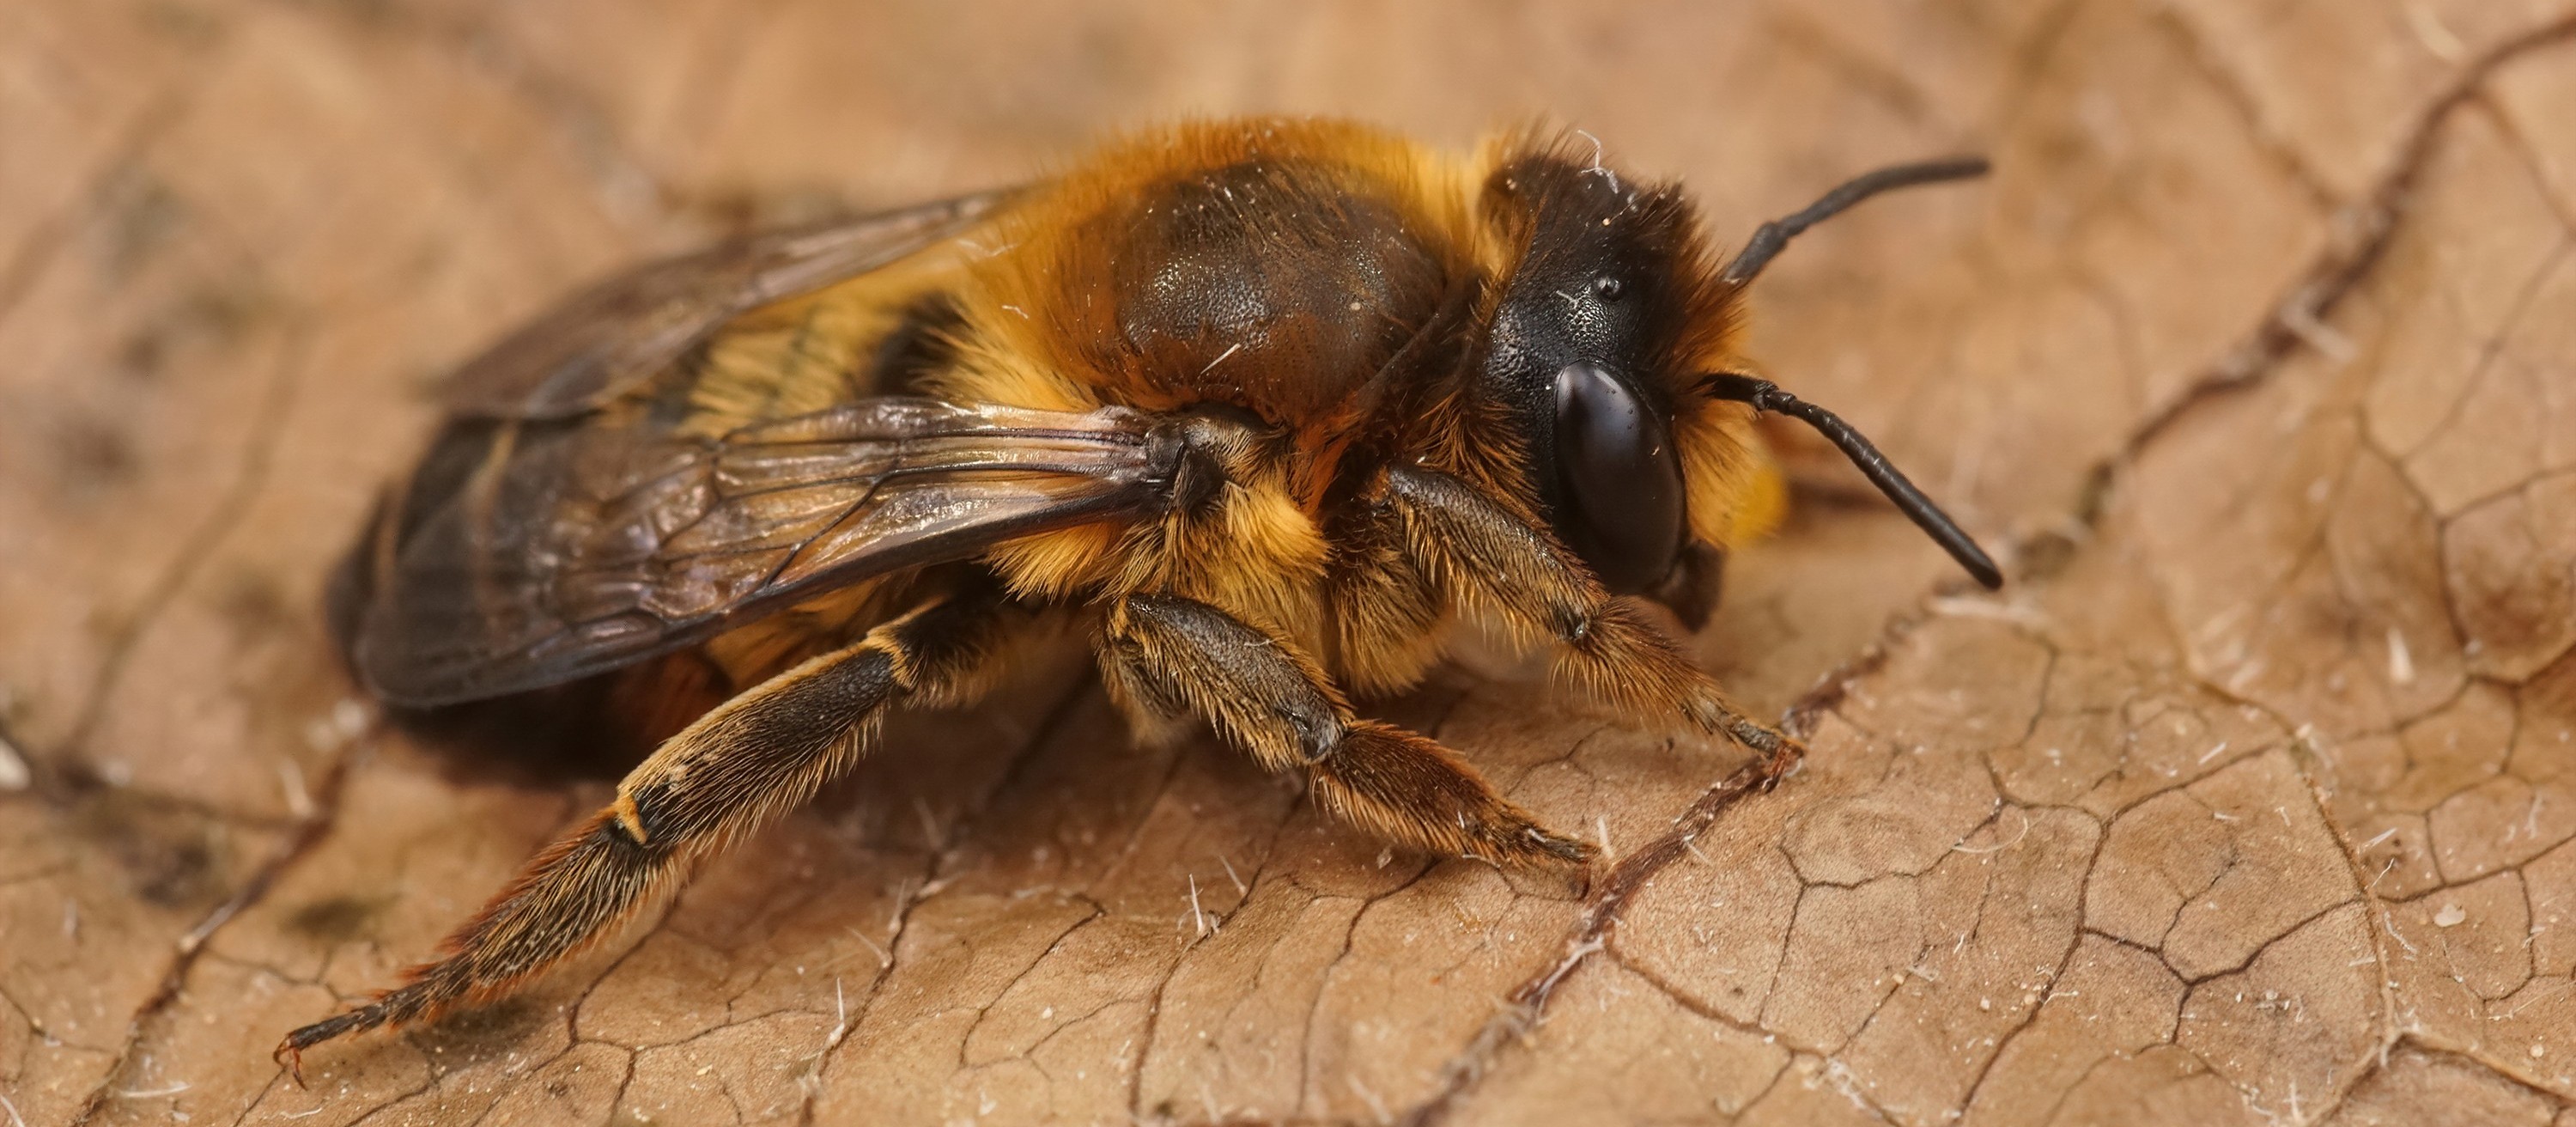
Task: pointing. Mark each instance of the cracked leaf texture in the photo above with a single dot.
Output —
(2252, 800)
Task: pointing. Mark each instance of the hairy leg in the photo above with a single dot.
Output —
(1180, 655)
(1487, 551)
(739, 766)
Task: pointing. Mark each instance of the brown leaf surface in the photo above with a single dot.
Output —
(2251, 801)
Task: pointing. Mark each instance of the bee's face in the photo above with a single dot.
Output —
(1587, 325)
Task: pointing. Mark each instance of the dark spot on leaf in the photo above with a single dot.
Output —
(251, 603)
(337, 919)
(174, 854)
(2045, 555)
(211, 319)
(92, 456)
(142, 215)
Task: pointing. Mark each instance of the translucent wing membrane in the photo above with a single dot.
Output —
(620, 332)
(548, 551)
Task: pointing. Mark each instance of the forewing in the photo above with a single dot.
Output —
(532, 553)
(606, 339)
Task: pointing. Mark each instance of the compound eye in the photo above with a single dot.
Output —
(1620, 480)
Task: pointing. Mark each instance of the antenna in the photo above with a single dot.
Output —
(1769, 238)
(1767, 396)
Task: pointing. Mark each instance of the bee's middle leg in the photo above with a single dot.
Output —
(1180, 655)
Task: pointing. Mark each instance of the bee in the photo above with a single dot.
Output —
(1266, 406)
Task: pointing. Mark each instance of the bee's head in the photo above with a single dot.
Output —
(1608, 340)
(1606, 302)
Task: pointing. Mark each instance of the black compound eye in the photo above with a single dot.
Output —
(1620, 496)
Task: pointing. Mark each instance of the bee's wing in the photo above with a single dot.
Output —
(532, 553)
(606, 339)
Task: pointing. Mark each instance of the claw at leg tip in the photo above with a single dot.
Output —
(1781, 762)
(292, 1058)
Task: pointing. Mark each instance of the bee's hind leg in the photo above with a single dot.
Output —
(1264, 696)
(756, 756)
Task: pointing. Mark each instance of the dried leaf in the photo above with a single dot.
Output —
(2251, 798)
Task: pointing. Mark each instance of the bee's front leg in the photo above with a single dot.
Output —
(1264, 696)
(1484, 550)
